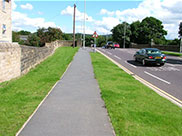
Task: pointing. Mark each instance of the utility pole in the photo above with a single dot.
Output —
(74, 25)
(124, 34)
(180, 45)
(84, 24)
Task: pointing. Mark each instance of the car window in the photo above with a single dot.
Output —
(153, 51)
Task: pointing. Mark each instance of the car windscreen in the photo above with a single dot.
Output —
(153, 52)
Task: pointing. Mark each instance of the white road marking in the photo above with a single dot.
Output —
(130, 64)
(163, 69)
(117, 57)
(157, 78)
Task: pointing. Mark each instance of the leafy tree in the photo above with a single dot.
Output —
(22, 32)
(15, 36)
(118, 34)
(89, 40)
(33, 40)
(180, 30)
(48, 35)
(151, 28)
(135, 27)
(101, 40)
(66, 36)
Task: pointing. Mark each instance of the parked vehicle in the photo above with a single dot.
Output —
(109, 45)
(150, 56)
(116, 45)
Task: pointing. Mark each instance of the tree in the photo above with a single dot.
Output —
(22, 32)
(135, 27)
(151, 28)
(180, 30)
(101, 41)
(48, 35)
(118, 34)
(33, 40)
(15, 36)
(66, 36)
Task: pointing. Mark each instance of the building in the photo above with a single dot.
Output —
(5, 21)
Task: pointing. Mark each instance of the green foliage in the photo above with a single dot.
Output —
(134, 109)
(151, 28)
(180, 29)
(22, 32)
(89, 40)
(173, 42)
(15, 36)
(135, 27)
(48, 35)
(33, 40)
(66, 36)
(118, 33)
(20, 97)
(101, 41)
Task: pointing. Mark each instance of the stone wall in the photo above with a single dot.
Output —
(9, 61)
(175, 48)
(31, 56)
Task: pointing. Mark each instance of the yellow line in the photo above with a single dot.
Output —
(140, 79)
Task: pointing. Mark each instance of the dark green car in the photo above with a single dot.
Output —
(150, 56)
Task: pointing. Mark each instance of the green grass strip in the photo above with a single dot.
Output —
(20, 97)
(172, 53)
(134, 109)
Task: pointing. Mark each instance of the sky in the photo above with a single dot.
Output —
(101, 15)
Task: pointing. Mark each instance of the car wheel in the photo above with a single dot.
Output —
(143, 62)
(135, 59)
(162, 64)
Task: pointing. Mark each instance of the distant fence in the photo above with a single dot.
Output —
(175, 48)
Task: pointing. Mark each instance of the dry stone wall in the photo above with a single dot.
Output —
(9, 61)
(16, 59)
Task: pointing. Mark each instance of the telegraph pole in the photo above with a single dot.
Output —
(74, 25)
(84, 24)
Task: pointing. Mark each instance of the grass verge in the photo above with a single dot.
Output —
(172, 53)
(134, 109)
(19, 98)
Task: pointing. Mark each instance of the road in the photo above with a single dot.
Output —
(168, 77)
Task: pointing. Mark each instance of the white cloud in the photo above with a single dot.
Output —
(21, 20)
(106, 12)
(79, 15)
(27, 6)
(168, 11)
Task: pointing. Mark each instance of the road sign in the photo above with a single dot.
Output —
(95, 35)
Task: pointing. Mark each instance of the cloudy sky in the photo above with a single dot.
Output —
(101, 15)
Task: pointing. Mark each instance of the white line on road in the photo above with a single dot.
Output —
(130, 64)
(117, 57)
(157, 78)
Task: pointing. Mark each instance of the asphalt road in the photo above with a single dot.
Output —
(168, 77)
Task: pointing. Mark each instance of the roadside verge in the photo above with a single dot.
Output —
(134, 109)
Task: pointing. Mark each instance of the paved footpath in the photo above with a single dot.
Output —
(74, 107)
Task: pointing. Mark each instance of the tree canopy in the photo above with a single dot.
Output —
(118, 33)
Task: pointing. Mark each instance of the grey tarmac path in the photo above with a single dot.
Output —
(74, 107)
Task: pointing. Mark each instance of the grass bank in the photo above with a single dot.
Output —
(134, 109)
(19, 98)
(172, 53)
